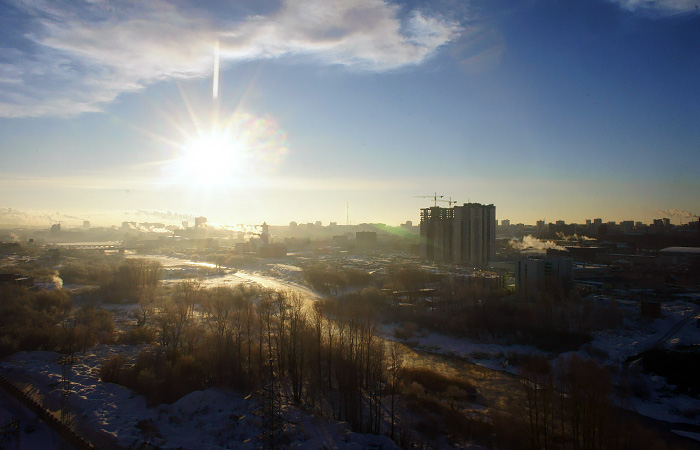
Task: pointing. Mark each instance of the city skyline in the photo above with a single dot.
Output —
(12, 218)
(305, 111)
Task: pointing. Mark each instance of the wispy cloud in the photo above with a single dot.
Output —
(102, 181)
(665, 7)
(92, 181)
(16, 217)
(79, 56)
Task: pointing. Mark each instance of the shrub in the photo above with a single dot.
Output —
(111, 370)
(156, 377)
(435, 382)
(139, 335)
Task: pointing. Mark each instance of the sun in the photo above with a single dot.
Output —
(212, 157)
(240, 151)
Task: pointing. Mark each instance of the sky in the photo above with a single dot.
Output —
(348, 111)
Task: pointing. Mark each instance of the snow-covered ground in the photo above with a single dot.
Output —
(211, 419)
(220, 419)
(609, 347)
(487, 354)
(32, 433)
(638, 334)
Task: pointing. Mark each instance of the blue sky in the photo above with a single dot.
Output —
(548, 109)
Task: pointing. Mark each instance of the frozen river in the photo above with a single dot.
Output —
(230, 276)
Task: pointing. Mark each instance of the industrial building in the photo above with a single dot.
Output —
(531, 273)
(463, 234)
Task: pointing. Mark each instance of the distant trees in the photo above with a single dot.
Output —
(410, 278)
(133, 280)
(96, 272)
(554, 321)
(29, 320)
(331, 279)
(323, 278)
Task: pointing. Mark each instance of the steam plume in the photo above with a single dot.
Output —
(530, 242)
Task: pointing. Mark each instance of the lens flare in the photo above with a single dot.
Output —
(215, 81)
(244, 148)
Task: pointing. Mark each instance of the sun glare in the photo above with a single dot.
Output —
(240, 151)
(212, 157)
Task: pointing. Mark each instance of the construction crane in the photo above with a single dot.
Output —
(435, 197)
(449, 202)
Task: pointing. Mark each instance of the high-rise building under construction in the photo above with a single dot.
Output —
(463, 234)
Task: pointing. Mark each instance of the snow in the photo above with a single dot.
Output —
(487, 354)
(210, 419)
(637, 334)
(688, 434)
(609, 347)
(33, 433)
(218, 419)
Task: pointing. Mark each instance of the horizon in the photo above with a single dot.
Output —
(304, 111)
(44, 220)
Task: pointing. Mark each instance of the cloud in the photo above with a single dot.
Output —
(11, 215)
(670, 7)
(92, 181)
(15, 217)
(78, 56)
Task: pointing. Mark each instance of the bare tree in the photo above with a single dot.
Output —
(394, 370)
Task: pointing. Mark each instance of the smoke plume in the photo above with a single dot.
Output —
(679, 213)
(530, 242)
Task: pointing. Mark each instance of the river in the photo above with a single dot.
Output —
(227, 276)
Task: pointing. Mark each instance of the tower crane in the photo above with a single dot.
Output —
(449, 202)
(435, 197)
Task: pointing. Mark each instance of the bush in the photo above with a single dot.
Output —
(153, 375)
(95, 273)
(93, 326)
(51, 302)
(111, 370)
(139, 335)
(28, 319)
(132, 279)
(435, 382)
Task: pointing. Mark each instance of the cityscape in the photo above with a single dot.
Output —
(618, 299)
(365, 224)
